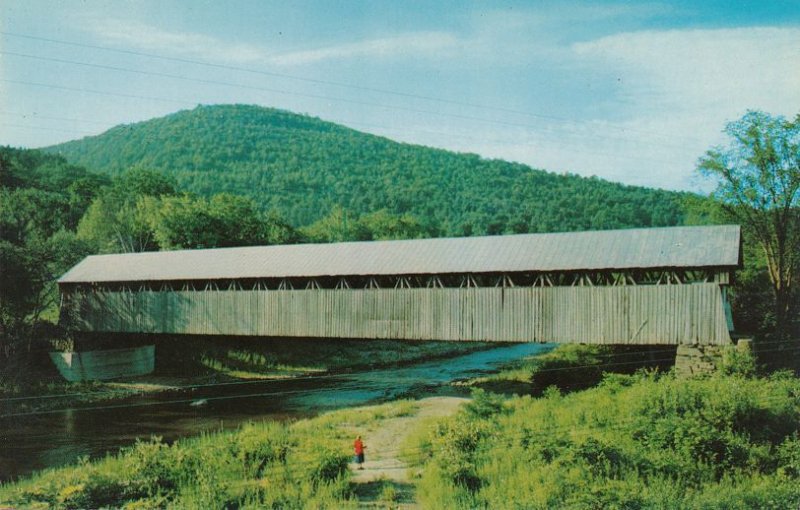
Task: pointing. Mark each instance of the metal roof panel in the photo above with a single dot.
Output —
(679, 247)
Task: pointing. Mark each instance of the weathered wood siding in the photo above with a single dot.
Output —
(653, 314)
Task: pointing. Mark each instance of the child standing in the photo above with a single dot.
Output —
(358, 448)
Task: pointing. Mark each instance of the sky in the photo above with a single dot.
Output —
(633, 92)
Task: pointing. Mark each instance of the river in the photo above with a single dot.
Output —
(60, 437)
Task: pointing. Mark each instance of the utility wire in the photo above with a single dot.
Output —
(323, 82)
(308, 95)
(505, 142)
(35, 115)
(23, 126)
(315, 378)
(421, 458)
(362, 373)
(100, 92)
(192, 400)
(290, 392)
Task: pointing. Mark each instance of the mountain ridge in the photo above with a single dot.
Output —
(304, 168)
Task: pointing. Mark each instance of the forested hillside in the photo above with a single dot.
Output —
(306, 169)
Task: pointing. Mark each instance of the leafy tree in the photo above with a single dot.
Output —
(758, 185)
(112, 226)
(276, 230)
(238, 219)
(338, 226)
(142, 181)
(18, 292)
(40, 198)
(27, 212)
(120, 219)
(187, 222)
(383, 225)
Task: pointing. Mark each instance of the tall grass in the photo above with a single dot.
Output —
(635, 441)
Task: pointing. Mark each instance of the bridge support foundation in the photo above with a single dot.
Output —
(693, 360)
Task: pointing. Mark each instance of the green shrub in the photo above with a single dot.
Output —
(484, 404)
(789, 457)
(154, 466)
(256, 448)
(737, 361)
(388, 493)
(323, 462)
(638, 441)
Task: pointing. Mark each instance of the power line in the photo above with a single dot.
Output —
(100, 92)
(503, 141)
(325, 82)
(35, 115)
(416, 452)
(326, 376)
(186, 401)
(44, 128)
(307, 95)
(314, 378)
(545, 431)
(289, 392)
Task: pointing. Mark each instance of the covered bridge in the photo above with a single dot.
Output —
(636, 286)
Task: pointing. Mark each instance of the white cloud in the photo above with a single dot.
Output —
(414, 44)
(680, 88)
(719, 72)
(149, 38)
(558, 16)
(131, 34)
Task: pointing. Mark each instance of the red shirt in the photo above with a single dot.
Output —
(358, 446)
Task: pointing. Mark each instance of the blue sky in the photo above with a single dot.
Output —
(633, 92)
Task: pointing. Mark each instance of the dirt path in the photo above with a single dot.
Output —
(383, 467)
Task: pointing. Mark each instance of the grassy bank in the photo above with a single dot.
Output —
(573, 367)
(260, 465)
(634, 441)
(646, 440)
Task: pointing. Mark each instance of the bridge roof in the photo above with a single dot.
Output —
(669, 247)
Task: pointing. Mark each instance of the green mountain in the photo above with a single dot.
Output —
(304, 168)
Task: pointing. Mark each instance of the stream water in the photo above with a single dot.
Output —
(60, 437)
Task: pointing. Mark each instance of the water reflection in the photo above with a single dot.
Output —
(47, 440)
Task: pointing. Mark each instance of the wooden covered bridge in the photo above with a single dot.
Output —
(637, 286)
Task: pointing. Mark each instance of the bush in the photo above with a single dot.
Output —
(789, 457)
(570, 367)
(484, 404)
(155, 468)
(639, 441)
(256, 448)
(737, 361)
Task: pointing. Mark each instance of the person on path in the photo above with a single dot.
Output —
(358, 448)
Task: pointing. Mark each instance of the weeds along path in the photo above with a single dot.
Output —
(384, 472)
